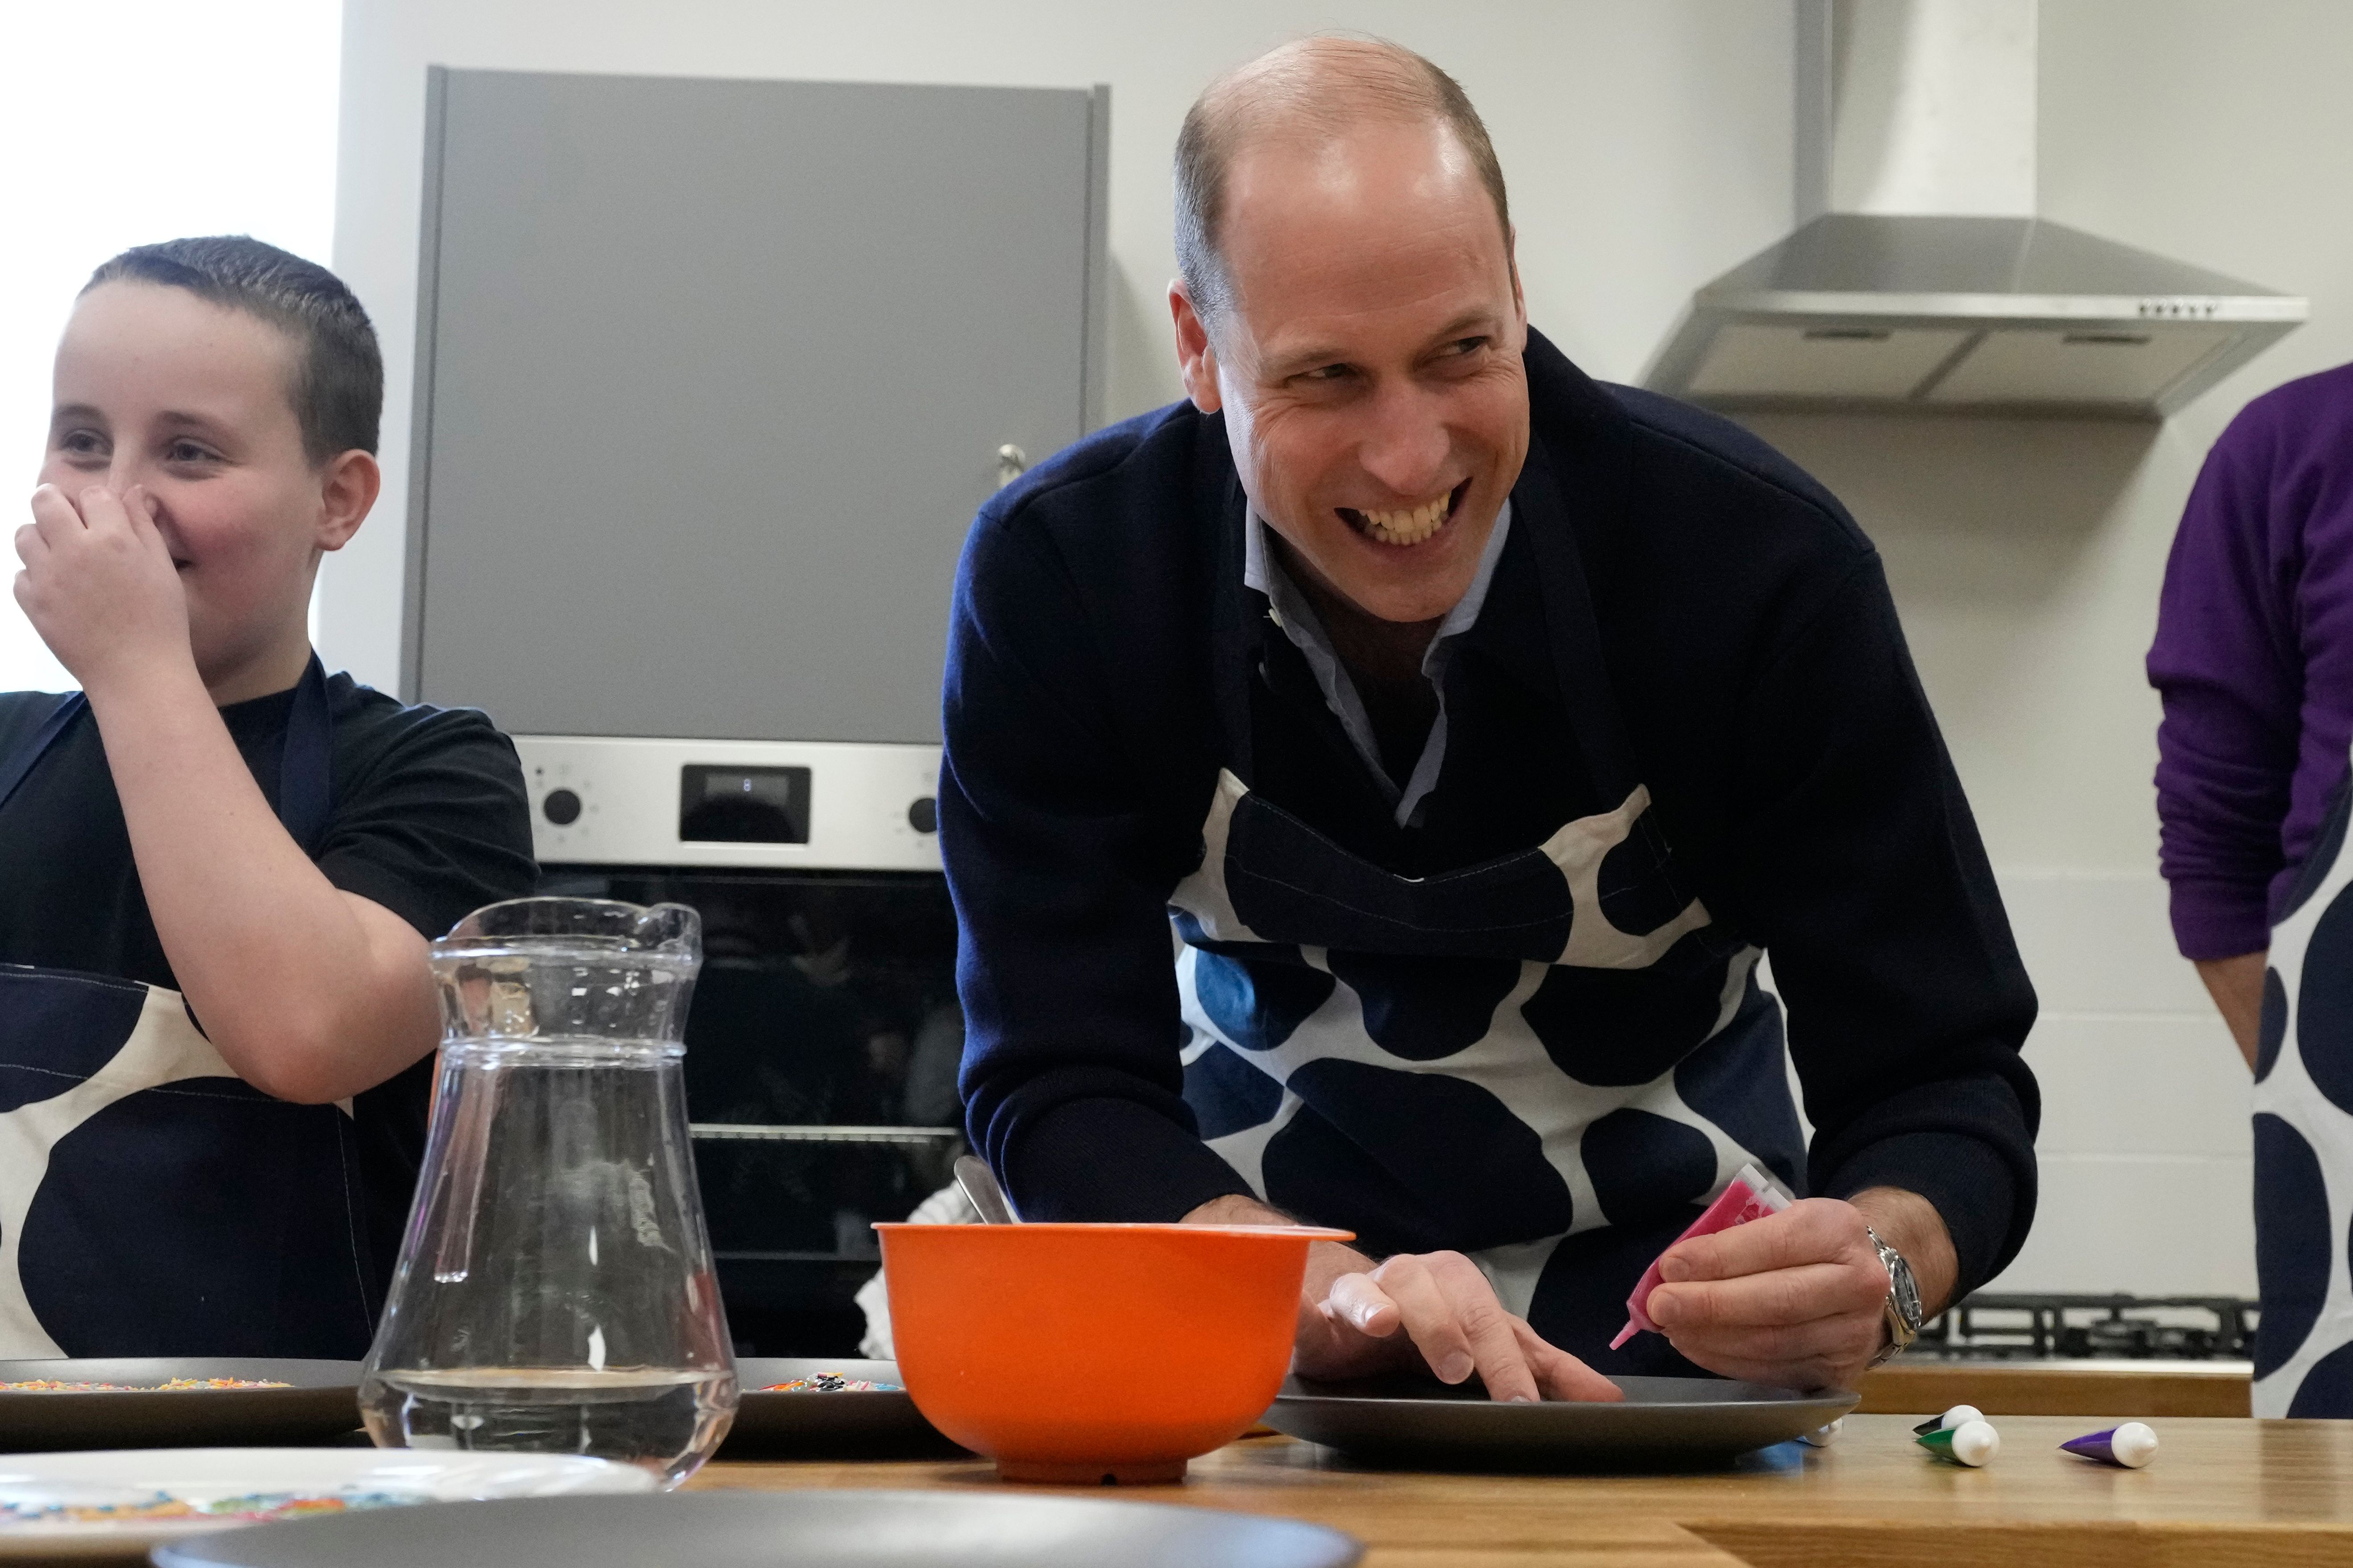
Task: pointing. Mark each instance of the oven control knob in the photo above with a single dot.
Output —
(562, 807)
(924, 816)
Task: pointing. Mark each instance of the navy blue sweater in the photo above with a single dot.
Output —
(1742, 625)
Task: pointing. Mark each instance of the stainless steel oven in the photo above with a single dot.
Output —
(823, 1043)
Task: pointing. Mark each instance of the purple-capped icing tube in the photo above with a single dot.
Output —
(1752, 1194)
(2132, 1445)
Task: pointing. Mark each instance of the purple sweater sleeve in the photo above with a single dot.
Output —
(2253, 659)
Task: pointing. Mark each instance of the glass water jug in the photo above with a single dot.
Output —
(554, 1292)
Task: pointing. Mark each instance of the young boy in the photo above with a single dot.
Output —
(217, 866)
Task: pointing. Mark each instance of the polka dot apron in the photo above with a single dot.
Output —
(2304, 1142)
(153, 1202)
(1545, 1061)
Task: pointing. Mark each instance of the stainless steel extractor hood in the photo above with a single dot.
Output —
(1965, 314)
(1919, 278)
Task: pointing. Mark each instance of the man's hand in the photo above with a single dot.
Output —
(99, 584)
(1433, 1310)
(1799, 1299)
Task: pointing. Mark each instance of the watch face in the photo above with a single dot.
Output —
(1902, 1290)
(1905, 1291)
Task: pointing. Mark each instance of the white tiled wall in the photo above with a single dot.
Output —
(2145, 1148)
(2145, 1145)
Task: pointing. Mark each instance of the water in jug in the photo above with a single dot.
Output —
(555, 1291)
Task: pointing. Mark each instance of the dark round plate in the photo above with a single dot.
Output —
(853, 1425)
(1673, 1422)
(324, 1403)
(761, 1529)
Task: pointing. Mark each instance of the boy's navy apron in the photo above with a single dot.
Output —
(1546, 1061)
(152, 1202)
(2304, 1142)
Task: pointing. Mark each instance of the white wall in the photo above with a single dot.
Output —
(1648, 150)
(218, 129)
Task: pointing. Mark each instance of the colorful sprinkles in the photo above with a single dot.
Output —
(830, 1383)
(253, 1507)
(176, 1385)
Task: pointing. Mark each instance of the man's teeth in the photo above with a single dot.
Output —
(1407, 527)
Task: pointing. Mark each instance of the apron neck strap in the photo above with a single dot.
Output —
(1238, 614)
(306, 766)
(19, 763)
(1540, 512)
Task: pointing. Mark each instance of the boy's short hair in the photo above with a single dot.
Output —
(338, 388)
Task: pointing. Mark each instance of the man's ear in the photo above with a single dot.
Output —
(348, 487)
(1196, 360)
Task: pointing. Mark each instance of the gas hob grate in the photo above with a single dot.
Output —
(2003, 1327)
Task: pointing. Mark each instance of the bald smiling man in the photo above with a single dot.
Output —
(1477, 727)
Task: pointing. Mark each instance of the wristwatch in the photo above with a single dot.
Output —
(1903, 1302)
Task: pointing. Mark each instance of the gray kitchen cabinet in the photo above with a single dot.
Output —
(712, 376)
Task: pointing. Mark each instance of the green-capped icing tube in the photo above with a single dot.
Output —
(1972, 1443)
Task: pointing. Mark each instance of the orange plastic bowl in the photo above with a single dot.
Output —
(1084, 1354)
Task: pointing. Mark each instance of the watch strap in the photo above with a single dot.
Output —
(1902, 1312)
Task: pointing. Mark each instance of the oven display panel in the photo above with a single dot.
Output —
(743, 806)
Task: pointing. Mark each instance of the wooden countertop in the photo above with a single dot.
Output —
(2148, 1389)
(2223, 1493)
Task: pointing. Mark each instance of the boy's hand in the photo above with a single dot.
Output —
(99, 584)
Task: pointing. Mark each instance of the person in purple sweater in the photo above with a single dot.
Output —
(2253, 659)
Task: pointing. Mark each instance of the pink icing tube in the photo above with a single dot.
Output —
(1753, 1195)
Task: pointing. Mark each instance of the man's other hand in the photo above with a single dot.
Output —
(1434, 1309)
(1799, 1299)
